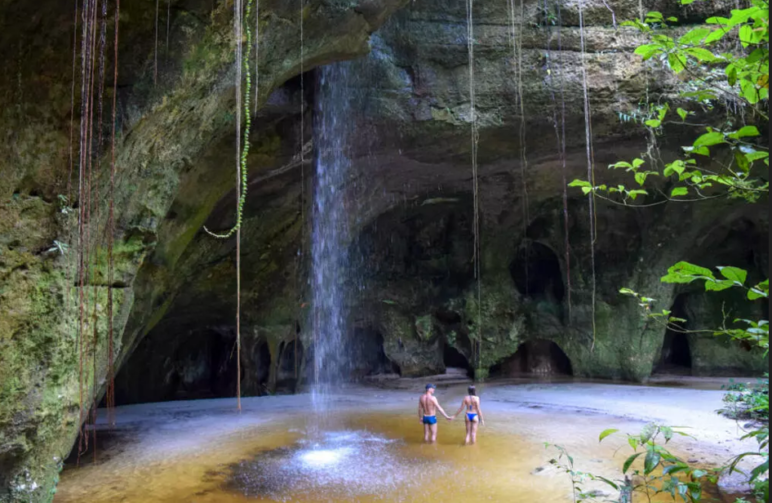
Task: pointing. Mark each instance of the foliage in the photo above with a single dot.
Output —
(727, 159)
(745, 401)
(661, 473)
(753, 332)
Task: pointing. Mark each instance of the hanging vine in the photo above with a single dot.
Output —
(476, 348)
(516, 38)
(110, 395)
(590, 160)
(560, 134)
(302, 254)
(242, 153)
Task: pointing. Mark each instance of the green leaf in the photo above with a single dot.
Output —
(701, 54)
(654, 123)
(747, 36)
(744, 132)
(630, 461)
(682, 113)
(697, 150)
(715, 36)
(679, 191)
(635, 193)
(742, 161)
(759, 291)
(734, 273)
(673, 469)
(676, 62)
(717, 20)
(684, 272)
(586, 190)
(637, 163)
(580, 183)
(695, 36)
(606, 433)
(640, 178)
(652, 460)
(708, 139)
(648, 50)
(749, 91)
(718, 285)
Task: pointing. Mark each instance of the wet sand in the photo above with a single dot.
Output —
(369, 446)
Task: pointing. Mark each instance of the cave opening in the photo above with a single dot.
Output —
(536, 273)
(676, 356)
(163, 368)
(537, 357)
(367, 356)
(455, 362)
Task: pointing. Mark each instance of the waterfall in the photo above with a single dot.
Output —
(333, 131)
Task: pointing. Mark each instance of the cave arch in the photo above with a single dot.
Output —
(537, 273)
(454, 359)
(537, 357)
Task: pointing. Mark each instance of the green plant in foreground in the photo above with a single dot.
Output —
(727, 159)
(743, 401)
(662, 472)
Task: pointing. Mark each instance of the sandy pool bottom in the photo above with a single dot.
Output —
(370, 457)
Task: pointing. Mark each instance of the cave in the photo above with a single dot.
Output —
(195, 365)
(537, 357)
(536, 273)
(406, 157)
(453, 359)
(676, 355)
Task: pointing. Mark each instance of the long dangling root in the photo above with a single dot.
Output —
(477, 346)
(590, 170)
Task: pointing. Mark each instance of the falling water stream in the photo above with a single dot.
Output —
(332, 133)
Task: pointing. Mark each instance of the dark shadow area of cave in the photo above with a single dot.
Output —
(538, 357)
(536, 273)
(189, 365)
(290, 362)
(366, 355)
(452, 358)
(431, 242)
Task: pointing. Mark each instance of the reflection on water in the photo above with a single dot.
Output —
(367, 458)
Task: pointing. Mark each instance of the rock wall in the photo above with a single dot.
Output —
(170, 177)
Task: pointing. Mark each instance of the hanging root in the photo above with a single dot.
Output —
(561, 137)
(590, 171)
(241, 184)
(110, 398)
(476, 351)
